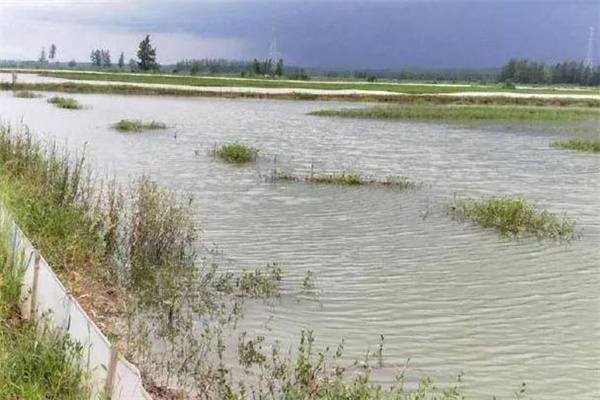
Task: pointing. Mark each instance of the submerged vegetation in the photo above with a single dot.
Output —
(430, 112)
(236, 153)
(344, 179)
(65, 102)
(34, 363)
(134, 125)
(587, 145)
(26, 94)
(513, 217)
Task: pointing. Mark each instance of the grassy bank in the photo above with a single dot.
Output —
(513, 217)
(585, 145)
(271, 83)
(430, 112)
(134, 125)
(74, 87)
(33, 365)
(65, 102)
(343, 179)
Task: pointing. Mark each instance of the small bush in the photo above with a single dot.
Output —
(344, 179)
(26, 94)
(134, 125)
(65, 102)
(236, 153)
(589, 145)
(512, 217)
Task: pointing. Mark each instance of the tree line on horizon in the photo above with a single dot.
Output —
(535, 72)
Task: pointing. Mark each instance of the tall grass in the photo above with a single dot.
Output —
(34, 364)
(587, 145)
(430, 112)
(513, 217)
(65, 102)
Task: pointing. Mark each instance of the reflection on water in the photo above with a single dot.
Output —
(450, 297)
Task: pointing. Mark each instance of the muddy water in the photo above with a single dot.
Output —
(449, 296)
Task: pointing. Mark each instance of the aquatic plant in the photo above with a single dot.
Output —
(26, 94)
(65, 102)
(587, 145)
(343, 179)
(513, 217)
(436, 112)
(236, 153)
(134, 125)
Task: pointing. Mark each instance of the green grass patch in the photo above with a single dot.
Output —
(436, 112)
(26, 94)
(65, 102)
(514, 217)
(34, 365)
(587, 145)
(236, 153)
(134, 125)
(344, 179)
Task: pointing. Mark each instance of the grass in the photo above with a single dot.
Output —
(514, 217)
(587, 145)
(236, 153)
(123, 89)
(26, 94)
(270, 83)
(34, 364)
(344, 179)
(134, 125)
(65, 102)
(435, 112)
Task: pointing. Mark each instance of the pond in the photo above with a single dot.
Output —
(451, 297)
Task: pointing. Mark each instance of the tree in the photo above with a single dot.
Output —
(52, 53)
(72, 64)
(146, 55)
(121, 62)
(105, 59)
(195, 70)
(42, 58)
(279, 68)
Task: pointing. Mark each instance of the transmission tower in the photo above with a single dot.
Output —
(589, 59)
(273, 51)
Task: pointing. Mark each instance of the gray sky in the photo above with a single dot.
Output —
(325, 33)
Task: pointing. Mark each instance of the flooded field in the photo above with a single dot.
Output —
(450, 297)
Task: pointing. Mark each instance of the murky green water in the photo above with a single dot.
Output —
(449, 296)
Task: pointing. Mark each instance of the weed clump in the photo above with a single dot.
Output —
(65, 102)
(134, 125)
(587, 145)
(513, 217)
(236, 153)
(26, 94)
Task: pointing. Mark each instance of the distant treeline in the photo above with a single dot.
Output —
(411, 74)
(534, 72)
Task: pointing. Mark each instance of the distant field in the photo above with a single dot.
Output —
(268, 83)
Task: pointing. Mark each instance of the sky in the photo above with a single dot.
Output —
(315, 33)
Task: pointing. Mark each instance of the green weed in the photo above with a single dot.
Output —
(236, 153)
(587, 145)
(133, 125)
(65, 102)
